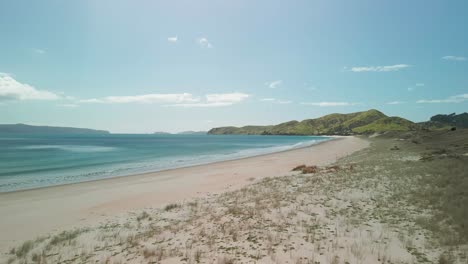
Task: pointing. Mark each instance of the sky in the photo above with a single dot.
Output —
(145, 66)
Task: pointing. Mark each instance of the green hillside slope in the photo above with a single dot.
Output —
(334, 124)
(387, 124)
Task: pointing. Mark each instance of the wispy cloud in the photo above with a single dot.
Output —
(454, 58)
(204, 43)
(145, 99)
(226, 97)
(452, 99)
(310, 87)
(325, 104)
(215, 100)
(274, 84)
(396, 102)
(274, 100)
(417, 85)
(177, 99)
(173, 39)
(38, 51)
(11, 89)
(388, 68)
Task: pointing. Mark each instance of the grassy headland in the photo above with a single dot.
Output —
(367, 122)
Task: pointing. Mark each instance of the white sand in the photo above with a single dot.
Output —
(27, 214)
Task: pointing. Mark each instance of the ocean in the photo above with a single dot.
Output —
(32, 161)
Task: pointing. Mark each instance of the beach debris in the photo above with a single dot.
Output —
(334, 168)
(306, 169)
(395, 148)
(310, 169)
(328, 169)
(299, 168)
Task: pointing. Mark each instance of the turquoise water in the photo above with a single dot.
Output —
(28, 161)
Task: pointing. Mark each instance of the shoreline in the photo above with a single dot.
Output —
(27, 214)
(331, 138)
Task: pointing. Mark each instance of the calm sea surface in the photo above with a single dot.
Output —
(28, 161)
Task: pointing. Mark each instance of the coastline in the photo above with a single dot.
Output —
(171, 169)
(30, 213)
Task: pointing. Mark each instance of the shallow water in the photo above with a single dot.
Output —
(31, 161)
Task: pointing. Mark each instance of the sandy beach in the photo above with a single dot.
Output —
(31, 213)
(259, 209)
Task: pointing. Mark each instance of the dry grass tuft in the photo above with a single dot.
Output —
(170, 207)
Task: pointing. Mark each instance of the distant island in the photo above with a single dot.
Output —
(193, 133)
(161, 133)
(29, 129)
(366, 122)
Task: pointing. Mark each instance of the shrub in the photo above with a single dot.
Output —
(23, 250)
(170, 207)
(142, 216)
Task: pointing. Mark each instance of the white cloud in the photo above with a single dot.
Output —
(452, 99)
(412, 88)
(437, 101)
(204, 43)
(179, 100)
(310, 86)
(173, 39)
(454, 58)
(215, 100)
(226, 98)
(92, 100)
(274, 84)
(145, 98)
(324, 104)
(395, 103)
(11, 89)
(389, 68)
(274, 100)
(38, 51)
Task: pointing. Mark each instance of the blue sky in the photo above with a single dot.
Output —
(144, 66)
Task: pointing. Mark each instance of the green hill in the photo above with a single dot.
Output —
(370, 121)
(387, 124)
